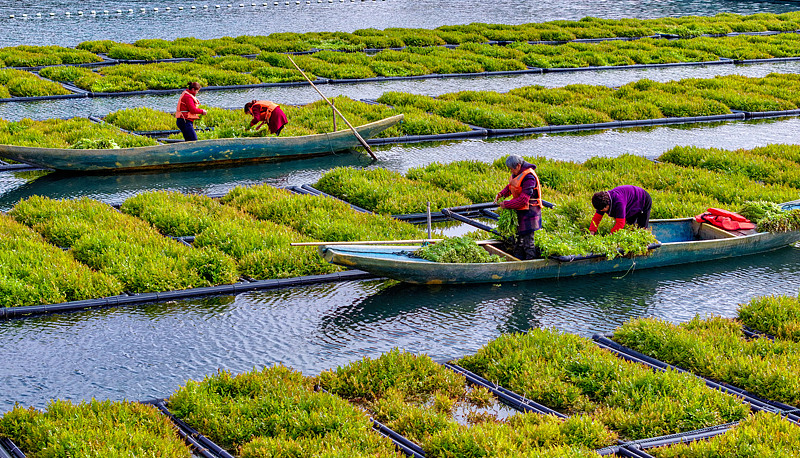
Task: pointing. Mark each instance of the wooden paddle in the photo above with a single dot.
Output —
(355, 132)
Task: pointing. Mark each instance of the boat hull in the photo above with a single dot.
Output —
(193, 154)
(389, 261)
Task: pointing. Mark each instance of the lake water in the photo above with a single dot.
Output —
(241, 17)
(148, 351)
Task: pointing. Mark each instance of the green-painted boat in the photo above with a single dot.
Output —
(682, 241)
(191, 154)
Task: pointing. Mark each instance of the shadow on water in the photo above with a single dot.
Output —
(585, 305)
(115, 188)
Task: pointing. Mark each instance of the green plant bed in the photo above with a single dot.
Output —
(124, 247)
(740, 162)
(71, 133)
(317, 117)
(478, 181)
(276, 412)
(20, 83)
(33, 272)
(432, 406)
(177, 75)
(141, 119)
(572, 375)
(95, 429)
(320, 218)
(717, 348)
(386, 192)
(65, 73)
(775, 315)
(260, 248)
(765, 434)
(37, 56)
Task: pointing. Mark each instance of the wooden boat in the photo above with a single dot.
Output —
(191, 154)
(682, 241)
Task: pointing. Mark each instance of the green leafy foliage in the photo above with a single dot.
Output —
(572, 375)
(386, 192)
(33, 272)
(276, 412)
(320, 218)
(715, 347)
(456, 250)
(629, 241)
(778, 316)
(141, 119)
(260, 248)
(124, 247)
(761, 434)
(419, 398)
(93, 429)
(59, 133)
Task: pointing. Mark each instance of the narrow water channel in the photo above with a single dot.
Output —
(648, 142)
(148, 351)
(300, 95)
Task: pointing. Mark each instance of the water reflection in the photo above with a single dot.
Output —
(580, 146)
(148, 351)
(116, 188)
(207, 21)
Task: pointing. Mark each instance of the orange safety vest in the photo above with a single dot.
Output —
(261, 105)
(185, 113)
(515, 186)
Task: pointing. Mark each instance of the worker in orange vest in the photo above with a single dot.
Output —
(525, 191)
(266, 112)
(189, 111)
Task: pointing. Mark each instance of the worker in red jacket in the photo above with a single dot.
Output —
(266, 112)
(626, 204)
(189, 111)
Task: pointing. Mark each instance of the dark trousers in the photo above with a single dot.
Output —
(642, 219)
(524, 247)
(187, 129)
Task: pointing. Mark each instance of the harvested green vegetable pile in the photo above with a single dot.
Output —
(456, 250)
(627, 241)
(770, 217)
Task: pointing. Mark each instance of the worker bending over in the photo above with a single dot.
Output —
(266, 112)
(627, 204)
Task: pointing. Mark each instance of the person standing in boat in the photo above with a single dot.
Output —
(627, 204)
(189, 111)
(525, 190)
(266, 112)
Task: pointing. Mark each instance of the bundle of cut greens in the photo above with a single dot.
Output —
(455, 250)
(770, 217)
(629, 241)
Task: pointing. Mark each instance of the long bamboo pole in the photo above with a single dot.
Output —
(382, 242)
(355, 132)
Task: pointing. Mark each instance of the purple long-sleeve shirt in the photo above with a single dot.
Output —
(626, 201)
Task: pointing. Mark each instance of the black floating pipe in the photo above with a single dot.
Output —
(10, 448)
(320, 193)
(516, 400)
(755, 402)
(471, 222)
(681, 438)
(207, 448)
(405, 445)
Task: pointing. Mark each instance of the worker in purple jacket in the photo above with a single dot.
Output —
(525, 191)
(626, 204)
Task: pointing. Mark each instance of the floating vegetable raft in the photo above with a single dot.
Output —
(544, 392)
